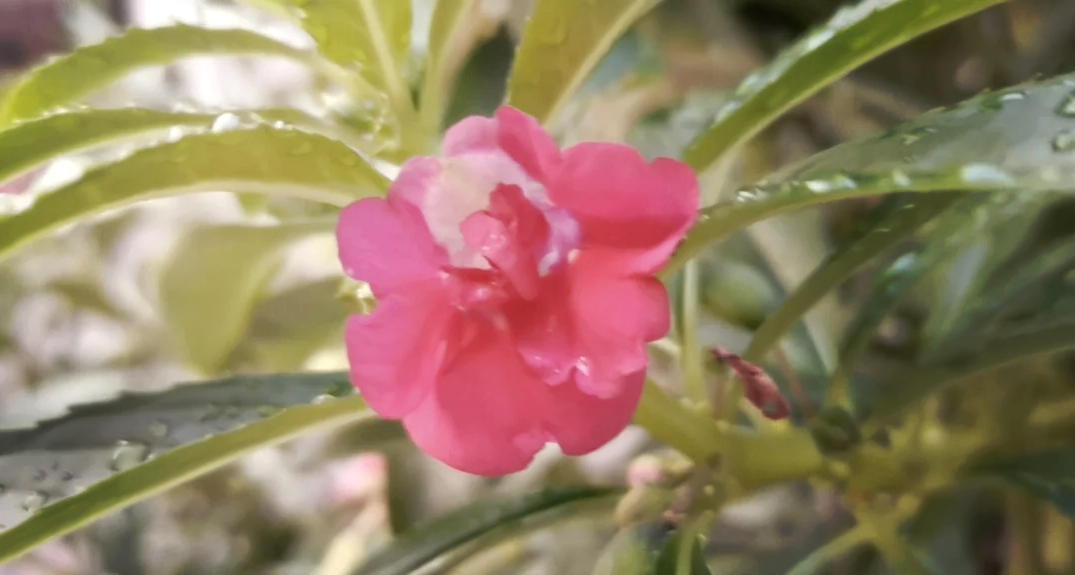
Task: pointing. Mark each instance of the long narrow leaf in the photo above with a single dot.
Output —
(259, 160)
(69, 78)
(562, 43)
(855, 35)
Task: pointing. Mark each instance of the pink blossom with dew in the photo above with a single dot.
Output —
(515, 290)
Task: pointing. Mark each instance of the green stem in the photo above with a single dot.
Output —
(669, 421)
(832, 550)
(691, 360)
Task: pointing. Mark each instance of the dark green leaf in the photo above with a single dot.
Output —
(425, 543)
(891, 223)
(562, 43)
(125, 450)
(32, 142)
(1013, 140)
(975, 356)
(70, 77)
(855, 35)
(1048, 475)
(964, 224)
(213, 279)
(451, 36)
(261, 160)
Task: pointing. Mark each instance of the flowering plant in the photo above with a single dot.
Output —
(503, 293)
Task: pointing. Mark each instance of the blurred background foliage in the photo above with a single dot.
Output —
(192, 287)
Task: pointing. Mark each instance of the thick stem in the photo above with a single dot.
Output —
(669, 421)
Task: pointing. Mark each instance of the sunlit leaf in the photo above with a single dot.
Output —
(371, 37)
(562, 43)
(125, 450)
(78, 74)
(855, 35)
(258, 160)
(427, 542)
(212, 280)
(1023, 139)
(1048, 475)
(887, 226)
(31, 142)
(452, 33)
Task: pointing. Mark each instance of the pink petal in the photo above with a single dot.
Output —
(387, 244)
(582, 423)
(523, 138)
(623, 203)
(416, 177)
(396, 351)
(471, 134)
(509, 235)
(483, 416)
(544, 330)
(614, 317)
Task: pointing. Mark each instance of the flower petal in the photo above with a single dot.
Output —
(471, 134)
(582, 423)
(623, 203)
(483, 415)
(509, 235)
(387, 244)
(614, 318)
(523, 138)
(396, 351)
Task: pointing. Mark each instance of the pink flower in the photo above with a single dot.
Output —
(515, 291)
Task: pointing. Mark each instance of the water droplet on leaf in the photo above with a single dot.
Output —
(34, 501)
(158, 429)
(225, 122)
(128, 454)
(1067, 106)
(1064, 141)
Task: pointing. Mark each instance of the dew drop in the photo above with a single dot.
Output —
(900, 178)
(225, 122)
(323, 398)
(127, 454)
(268, 410)
(984, 174)
(1064, 141)
(34, 501)
(40, 475)
(158, 429)
(1067, 106)
(67, 476)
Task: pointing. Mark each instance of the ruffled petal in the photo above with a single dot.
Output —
(623, 203)
(396, 351)
(544, 330)
(613, 318)
(387, 244)
(483, 416)
(581, 423)
(523, 138)
(509, 235)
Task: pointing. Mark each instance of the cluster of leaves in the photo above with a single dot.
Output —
(961, 243)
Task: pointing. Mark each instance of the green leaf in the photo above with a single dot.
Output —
(561, 44)
(289, 327)
(425, 543)
(1023, 139)
(258, 160)
(855, 35)
(670, 560)
(78, 74)
(138, 445)
(964, 224)
(450, 41)
(372, 37)
(211, 283)
(1047, 475)
(899, 217)
(975, 356)
(32, 142)
(634, 549)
